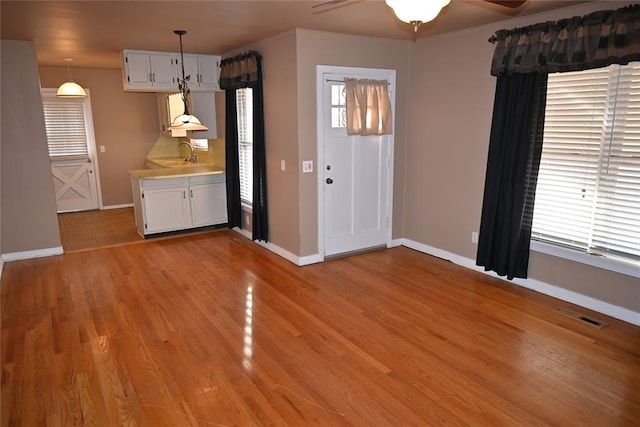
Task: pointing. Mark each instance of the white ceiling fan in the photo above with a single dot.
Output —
(417, 13)
(507, 3)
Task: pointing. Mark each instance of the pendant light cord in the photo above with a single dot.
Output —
(183, 84)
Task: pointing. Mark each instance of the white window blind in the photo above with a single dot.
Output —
(65, 126)
(588, 193)
(244, 101)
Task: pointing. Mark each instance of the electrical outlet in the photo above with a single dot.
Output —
(474, 237)
(102, 149)
(283, 165)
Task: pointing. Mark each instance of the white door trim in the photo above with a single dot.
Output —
(378, 73)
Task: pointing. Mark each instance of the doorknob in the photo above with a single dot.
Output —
(329, 181)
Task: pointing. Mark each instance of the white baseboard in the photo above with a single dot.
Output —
(536, 285)
(1, 266)
(394, 243)
(38, 253)
(126, 205)
(297, 260)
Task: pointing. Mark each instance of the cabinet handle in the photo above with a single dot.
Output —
(191, 191)
(153, 79)
(184, 194)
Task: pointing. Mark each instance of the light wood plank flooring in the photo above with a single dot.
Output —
(96, 229)
(212, 330)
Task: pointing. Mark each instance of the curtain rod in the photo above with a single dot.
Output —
(342, 81)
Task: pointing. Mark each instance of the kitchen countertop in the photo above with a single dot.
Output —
(176, 169)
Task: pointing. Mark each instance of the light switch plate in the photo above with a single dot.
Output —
(307, 166)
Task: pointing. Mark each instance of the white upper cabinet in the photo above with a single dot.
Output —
(204, 71)
(150, 71)
(146, 71)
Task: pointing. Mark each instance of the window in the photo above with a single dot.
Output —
(244, 101)
(66, 125)
(588, 193)
(338, 106)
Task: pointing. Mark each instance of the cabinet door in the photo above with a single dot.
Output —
(208, 204)
(166, 209)
(190, 69)
(138, 69)
(209, 72)
(164, 70)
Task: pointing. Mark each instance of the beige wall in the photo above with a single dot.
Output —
(450, 110)
(126, 123)
(290, 61)
(443, 113)
(281, 122)
(321, 48)
(29, 220)
(281, 117)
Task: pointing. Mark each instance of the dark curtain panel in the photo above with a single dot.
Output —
(234, 207)
(595, 40)
(245, 71)
(515, 148)
(260, 219)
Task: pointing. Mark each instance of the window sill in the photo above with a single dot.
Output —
(619, 265)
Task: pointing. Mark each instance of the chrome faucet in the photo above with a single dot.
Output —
(192, 156)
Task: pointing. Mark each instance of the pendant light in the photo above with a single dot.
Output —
(185, 121)
(70, 89)
(416, 12)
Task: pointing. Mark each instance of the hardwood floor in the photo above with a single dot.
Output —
(212, 330)
(95, 229)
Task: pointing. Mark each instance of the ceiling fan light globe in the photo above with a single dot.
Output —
(412, 10)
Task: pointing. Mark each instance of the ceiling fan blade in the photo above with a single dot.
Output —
(508, 3)
(328, 3)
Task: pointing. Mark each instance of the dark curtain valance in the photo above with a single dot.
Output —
(595, 40)
(239, 71)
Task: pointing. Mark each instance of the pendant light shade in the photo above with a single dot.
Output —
(185, 121)
(416, 12)
(70, 89)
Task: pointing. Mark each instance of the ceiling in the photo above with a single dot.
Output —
(94, 33)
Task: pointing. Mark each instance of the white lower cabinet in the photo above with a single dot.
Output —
(208, 204)
(171, 204)
(165, 209)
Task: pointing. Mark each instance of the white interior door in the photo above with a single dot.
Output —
(74, 183)
(71, 145)
(355, 178)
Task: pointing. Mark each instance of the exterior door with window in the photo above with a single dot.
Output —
(355, 173)
(72, 152)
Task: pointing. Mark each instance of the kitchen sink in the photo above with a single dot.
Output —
(170, 163)
(174, 163)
